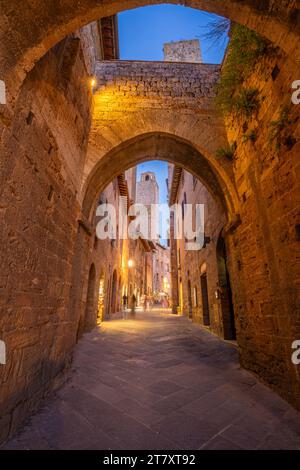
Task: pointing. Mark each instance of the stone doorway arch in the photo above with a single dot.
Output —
(224, 292)
(166, 147)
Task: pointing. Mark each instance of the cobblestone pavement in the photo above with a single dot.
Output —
(159, 382)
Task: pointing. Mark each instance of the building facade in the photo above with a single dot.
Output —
(200, 281)
(161, 270)
(148, 195)
(120, 267)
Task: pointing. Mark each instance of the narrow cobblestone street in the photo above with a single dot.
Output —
(159, 382)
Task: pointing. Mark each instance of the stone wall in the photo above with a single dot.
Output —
(42, 160)
(44, 256)
(264, 249)
(189, 84)
(183, 51)
(278, 21)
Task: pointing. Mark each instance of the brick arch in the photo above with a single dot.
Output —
(28, 33)
(158, 146)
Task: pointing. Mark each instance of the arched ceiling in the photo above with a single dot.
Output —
(156, 146)
(29, 29)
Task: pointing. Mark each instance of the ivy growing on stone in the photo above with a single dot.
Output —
(227, 151)
(250, 137)
(245, 48)
(277, 127)
(246, 102)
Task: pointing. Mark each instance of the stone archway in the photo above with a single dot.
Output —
(56, 19)
(158, 146)
(39, 164)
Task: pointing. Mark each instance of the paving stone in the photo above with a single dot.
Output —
(165, 388)
(204, 406)
(220, 443)
(187, 431)
(138, 411)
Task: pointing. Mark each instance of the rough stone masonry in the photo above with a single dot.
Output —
(56, 136)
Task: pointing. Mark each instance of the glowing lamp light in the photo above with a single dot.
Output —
(101, 288)
(93, 82)
(130, 263)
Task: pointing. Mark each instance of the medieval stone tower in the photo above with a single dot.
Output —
(183, 51)
(148, 194)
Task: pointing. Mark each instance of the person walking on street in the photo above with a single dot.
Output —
(133, 304)
(125, 303)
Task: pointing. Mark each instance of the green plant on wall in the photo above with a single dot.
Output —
(277, 127)
(244, 50)
(246, 102)
(250, 137)
(227, 151)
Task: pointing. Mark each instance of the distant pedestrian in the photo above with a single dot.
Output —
(133, 305)
(125, 305)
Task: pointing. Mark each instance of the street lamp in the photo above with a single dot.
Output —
(93, 83)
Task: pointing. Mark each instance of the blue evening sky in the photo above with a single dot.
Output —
(142, 33)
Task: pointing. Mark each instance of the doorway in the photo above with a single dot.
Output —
(227, 310)
(114, 285)
(205, 303)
